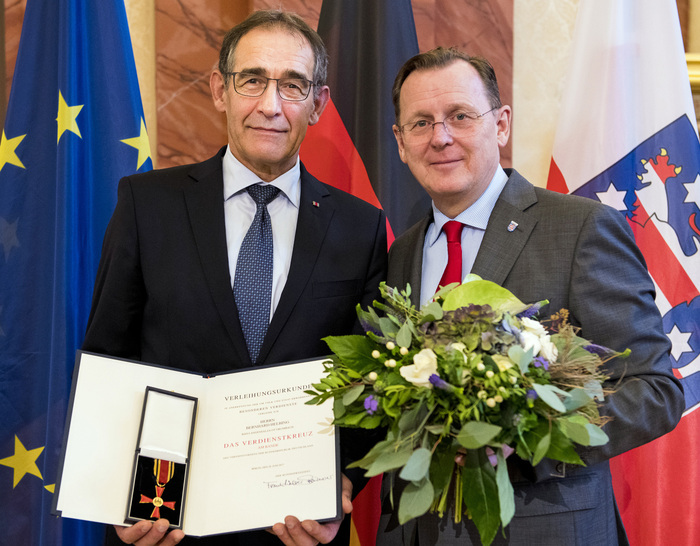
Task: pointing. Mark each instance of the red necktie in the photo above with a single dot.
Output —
(453, 271)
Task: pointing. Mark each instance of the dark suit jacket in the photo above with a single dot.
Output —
(163, 290)
(579, 255)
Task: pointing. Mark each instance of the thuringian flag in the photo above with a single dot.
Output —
(353, 146)
(627, 136)
(74, 126)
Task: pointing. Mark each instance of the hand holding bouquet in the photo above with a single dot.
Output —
(470, 372)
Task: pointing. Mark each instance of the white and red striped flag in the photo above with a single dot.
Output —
(627, 136)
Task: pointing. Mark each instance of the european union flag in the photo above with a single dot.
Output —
(74, 126)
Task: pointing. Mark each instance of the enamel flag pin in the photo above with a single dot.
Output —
(315, 204)
(512, 226)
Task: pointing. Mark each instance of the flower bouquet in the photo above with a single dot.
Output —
(469, 373)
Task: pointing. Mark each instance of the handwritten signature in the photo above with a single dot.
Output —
(299, 480)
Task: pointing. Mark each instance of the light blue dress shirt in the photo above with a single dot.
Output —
(475, 219)
(239, 210)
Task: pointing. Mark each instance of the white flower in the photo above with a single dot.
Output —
(390, 345)
(424, 365)
(403, 351)
(372, 376)
(376, 354)
(530, 342)
(391, 363)
(536, 338)
(549, 350)
(461, 347)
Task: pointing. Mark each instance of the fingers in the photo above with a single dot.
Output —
(147, 533)
(346, 495)
(305, 533)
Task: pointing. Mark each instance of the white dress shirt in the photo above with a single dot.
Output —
(239, 210)
(475, 219)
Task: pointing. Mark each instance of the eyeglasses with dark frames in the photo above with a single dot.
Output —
(254, 85)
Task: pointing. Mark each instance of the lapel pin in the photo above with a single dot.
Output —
(512, 226)
(315, 204)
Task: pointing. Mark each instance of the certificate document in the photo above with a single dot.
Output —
(258, 453)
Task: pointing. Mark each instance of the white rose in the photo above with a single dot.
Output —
(533, 326)
(424, 365)
(549, 350)
(530, 342)
(535, 337)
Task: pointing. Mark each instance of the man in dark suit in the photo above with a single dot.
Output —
(577, 253)
(167, 288)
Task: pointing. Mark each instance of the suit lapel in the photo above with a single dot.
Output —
(205, 206)
(508, 230)
(315, 212)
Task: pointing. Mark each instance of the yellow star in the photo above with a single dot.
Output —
(66, 117)
(23, 462)
(142, 144)
(7, 151)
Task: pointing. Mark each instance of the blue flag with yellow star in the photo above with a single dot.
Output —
(74, 127)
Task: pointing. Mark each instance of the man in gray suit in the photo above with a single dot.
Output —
(575, 252)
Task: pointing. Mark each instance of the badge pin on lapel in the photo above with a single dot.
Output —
(315, 204)
(512, 226)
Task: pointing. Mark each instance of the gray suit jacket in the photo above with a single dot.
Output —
(579, 255)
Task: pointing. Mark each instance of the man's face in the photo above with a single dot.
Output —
(265, 132)
(454, 169)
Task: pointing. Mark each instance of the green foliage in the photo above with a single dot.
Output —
(455, 375)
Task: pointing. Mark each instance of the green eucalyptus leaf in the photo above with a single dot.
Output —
(338, 408)
(576, 430)
(597, 435)
(416, 500)
(506, 495)
(475, 434)
(352, 394)
(561, 448)
(388, 327)
(431, 312)
(417, 466)
(541, 449)
(577, 399)
(521, 357)
(404, 337)
(594, 390)
(548, 394)
(389, 460)
(410, 420)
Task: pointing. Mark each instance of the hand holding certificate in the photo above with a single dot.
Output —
(245, 444)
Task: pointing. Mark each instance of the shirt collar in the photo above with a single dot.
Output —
(478, 214)
(237, 177)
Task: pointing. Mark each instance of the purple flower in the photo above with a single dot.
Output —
(541, 362)
(371, 404)
(531, 311)
(597, 350)
(531, 394)
(440, 383)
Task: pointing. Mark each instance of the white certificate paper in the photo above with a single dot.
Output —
(259, 453)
